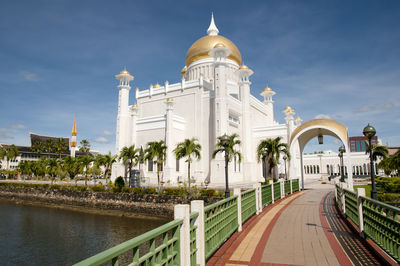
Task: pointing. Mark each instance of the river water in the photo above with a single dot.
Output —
(32, 235)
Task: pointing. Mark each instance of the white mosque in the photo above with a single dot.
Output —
(213, 99)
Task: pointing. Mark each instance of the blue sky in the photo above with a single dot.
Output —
(337, 59)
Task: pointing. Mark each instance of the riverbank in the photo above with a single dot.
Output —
(109, 203)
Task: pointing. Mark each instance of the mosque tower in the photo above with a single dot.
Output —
(268, 101)
(73, 139)
(124, 115)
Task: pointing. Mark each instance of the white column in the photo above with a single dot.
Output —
(282, 188)
(181, 211)
(198, 206)
(291, 186)
(134, 114)
(255, 186)
(238, 193)
(360, 192)
(169, 163)
(343, 186)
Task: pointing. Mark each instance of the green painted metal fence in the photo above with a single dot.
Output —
(277, 190)
(382, 225)
(248, 204)
(287, 187)
(165, 253)
(350, 199)
(220, 221)
(339, 196)
(266, 194)
(295, 185)
(193, 247)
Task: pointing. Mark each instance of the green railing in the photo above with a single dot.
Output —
(295, 185)
(266, 194)
(339, 196)
(220, 221)
(248, 204)
(193, 246)
(287, 187)
(165, 253)
(277, 190)
(382, 225)
(350, 199)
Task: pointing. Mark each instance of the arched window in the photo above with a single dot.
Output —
(314, 169)
(308, 169)
(327, 169)
(317, 169)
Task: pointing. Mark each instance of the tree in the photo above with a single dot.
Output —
(85, 146)
(108, 160)
(72, 166)
(156, 151)
(85, 162)
(11, 153)
(129, 155)
(391, 164)
(59, 146)
(52, 167)
(188, 148)
(49, 146)
(378, 151)
(269, 150)
(3, 153)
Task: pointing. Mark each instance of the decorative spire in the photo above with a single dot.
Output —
(74, 128)
(212, 30)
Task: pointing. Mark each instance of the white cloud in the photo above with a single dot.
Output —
(5, 133)
(378, 107)
(19, 126)
(28, 76)
(107, 133)
(101, 140)
(322, 116)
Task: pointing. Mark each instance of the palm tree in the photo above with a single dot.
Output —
(59, 146)
(3, 153)
(156, 151)
(378, 151)
(269, 151)
(52, 167)
(38, 147)
(12, 153)
(129, 155)
(85, 162)
(108, 160)
(49, 146)
(71, 166)
(85, 146)
(188, 148)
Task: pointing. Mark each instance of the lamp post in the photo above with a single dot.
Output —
(225, 144)
(284, 159)
(341, 151)
(369, 131)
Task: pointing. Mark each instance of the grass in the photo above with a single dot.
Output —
(367, 188)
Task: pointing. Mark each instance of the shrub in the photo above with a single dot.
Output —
(119, 183)
(209, 192)
(126, 190)
(138, 190)
(80, 188)
(150, 190)
(98, 188)
(180, 191)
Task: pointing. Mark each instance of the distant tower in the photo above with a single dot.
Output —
(73, 139)
(123, 118)
(269, 103)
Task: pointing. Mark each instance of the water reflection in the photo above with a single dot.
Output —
(31, 235)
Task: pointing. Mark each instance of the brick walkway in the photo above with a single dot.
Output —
(294, 231)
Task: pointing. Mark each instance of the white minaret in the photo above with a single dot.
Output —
(123, 117)
(289, 118)
(73, 139)
(244, 74)
(269, 103)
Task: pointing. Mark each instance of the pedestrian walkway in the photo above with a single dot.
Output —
(301, 229)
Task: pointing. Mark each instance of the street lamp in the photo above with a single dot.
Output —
(341, 151)
(285, 158)
(369, 131)
(225, 143)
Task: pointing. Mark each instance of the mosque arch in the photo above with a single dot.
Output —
(311, 129)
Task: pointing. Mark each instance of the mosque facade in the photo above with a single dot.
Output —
(213, 98)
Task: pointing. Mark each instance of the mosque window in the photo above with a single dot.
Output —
(149, 165)
(177, 165)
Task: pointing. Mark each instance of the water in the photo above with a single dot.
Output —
(31, 235)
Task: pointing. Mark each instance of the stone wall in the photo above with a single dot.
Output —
(127, 202)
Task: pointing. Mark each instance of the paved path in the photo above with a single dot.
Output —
(295, 231)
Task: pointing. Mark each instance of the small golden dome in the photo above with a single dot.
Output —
(183, 71)
(135, 106)
(170, 100)
(124, 72)
(298, 118)
(267, 89)
(157, 85)
(288, 109)
(219, 45)
(201, 47)
(137, 89)
(243, 67)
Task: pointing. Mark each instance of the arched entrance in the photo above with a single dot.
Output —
(311, 129)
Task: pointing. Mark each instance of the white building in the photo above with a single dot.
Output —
(212, 99)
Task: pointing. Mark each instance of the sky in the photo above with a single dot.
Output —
(325, 59)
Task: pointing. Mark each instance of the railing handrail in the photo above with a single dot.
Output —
(248, 191)
(117, 250)
(388, 206)
(218, 203)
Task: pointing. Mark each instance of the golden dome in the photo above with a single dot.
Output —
(170, 100)
(298, 118)
(202, 46)
(288, 109)
(243, 67)
(124, 72)
(269, 89)
(157, 85)
(219, 45)
(135, 106)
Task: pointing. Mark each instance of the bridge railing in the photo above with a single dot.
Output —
(375, 220)
(197, 231)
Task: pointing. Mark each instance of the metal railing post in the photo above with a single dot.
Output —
(181, 211)
(335, 183)
(272, 191)
(238, 193)
(342, 187)
(360, 192)
(198, 206)
(291, 186)
(257, 187)
(282, 188)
